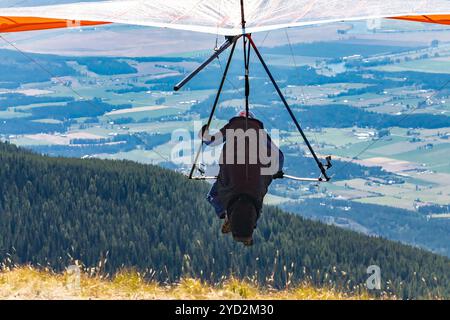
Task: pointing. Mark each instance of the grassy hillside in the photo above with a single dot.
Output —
(115, 214)
(30, 283)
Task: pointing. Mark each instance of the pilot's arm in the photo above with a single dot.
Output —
(212, 140)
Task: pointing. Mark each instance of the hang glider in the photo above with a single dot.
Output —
(235, 19)
(215, 16)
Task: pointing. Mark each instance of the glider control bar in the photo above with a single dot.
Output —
(285, 176)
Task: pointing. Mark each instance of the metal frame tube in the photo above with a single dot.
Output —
(288, 108)
(286, 176)
(222, 48)
(216, 100)
(232, 41)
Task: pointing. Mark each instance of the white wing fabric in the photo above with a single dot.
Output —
(222, 16)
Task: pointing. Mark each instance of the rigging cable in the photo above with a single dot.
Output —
(217, 30)
(34, 61)
(340, 169)
(406, 115)
(304, 100)
(260, 114)
(247, 81)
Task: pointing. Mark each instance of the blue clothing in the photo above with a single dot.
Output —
(213, 199)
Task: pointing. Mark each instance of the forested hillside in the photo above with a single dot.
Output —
(57, 210)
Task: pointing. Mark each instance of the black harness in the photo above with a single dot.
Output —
(245, 197)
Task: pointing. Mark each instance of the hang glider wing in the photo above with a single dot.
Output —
(17, 24)
(439, 19)
(215, 16)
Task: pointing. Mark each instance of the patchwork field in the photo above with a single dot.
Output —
(436, 65)
(138, 100)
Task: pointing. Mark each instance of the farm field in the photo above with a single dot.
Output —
(137, 102)
(435, 65)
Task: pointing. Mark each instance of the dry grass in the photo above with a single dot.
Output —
(30, 283)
